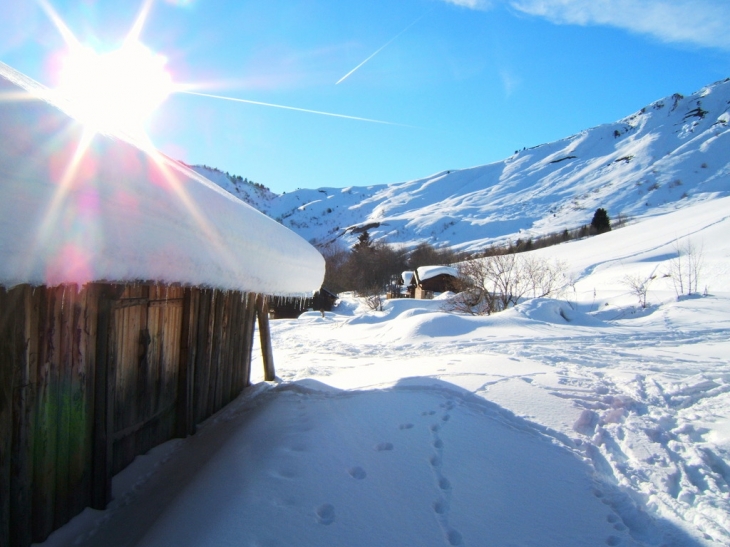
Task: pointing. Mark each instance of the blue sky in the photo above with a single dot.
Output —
(462, 82)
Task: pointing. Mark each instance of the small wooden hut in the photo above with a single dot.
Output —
(129, 289)
(431, 280)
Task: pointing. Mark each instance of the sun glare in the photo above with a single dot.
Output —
(115, 91)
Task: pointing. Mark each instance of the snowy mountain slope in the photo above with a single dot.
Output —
(668, 155)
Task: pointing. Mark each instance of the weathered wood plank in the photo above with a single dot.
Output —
(64, 362)
(248, 335)
(262, 311)
(45, 446)
(104, 383)
(202, 368)
(220, 357)
(80, 438)
(185, 417)
(8, 309)
(234, 347)
(21, 479)
(213, 351)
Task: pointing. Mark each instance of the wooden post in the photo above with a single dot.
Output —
(104, 380)
(262, 312)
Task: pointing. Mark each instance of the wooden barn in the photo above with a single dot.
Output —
(431, 280)
(129, 291)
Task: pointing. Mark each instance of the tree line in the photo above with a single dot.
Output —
(370, 267)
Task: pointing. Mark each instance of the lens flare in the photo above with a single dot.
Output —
(114, 91)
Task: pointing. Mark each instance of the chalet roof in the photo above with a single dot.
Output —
(111, 211)
(407, 277)
(427, 272)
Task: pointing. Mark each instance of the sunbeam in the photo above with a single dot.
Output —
(382, 47)
(66, 34)
(64, 185)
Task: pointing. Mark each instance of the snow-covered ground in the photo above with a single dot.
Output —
(582, 420)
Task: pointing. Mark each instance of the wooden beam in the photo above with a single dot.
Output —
(262, 311)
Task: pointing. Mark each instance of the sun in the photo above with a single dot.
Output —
(113, 91)
(116, 91)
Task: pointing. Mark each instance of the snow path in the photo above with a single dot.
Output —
(432, 463)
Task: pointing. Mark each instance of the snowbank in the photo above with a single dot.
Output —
(75, 209)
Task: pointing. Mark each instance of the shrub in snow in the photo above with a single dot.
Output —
(639, 286)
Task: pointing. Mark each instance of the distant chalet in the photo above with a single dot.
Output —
(129, 290)
(434, 279)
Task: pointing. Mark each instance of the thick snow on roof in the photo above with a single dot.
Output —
(74, 210)
(427, 272)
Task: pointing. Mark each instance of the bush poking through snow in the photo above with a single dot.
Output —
(495, 283)
(639, 286)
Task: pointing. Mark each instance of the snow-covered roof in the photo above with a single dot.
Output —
(76, 211)
(407, 277)
(427, 272)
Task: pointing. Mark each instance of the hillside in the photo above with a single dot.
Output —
(668, 155)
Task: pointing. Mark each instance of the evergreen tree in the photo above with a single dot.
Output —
(600, 223)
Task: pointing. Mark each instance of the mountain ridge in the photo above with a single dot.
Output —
(669, 154)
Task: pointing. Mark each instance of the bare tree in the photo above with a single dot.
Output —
(639, 285)
(686, 268)
(544, 278)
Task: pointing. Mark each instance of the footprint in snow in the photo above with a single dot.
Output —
(440, 507)
(613, 540)
(383, 446)
(405, 426)
(454, 537)
(357, 473)
(326, 514)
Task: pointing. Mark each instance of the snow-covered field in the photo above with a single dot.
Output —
(582, 420)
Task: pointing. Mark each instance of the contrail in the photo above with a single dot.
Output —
(289, 108)
(382, 48)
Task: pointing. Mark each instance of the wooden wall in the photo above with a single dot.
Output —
(91, 377)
